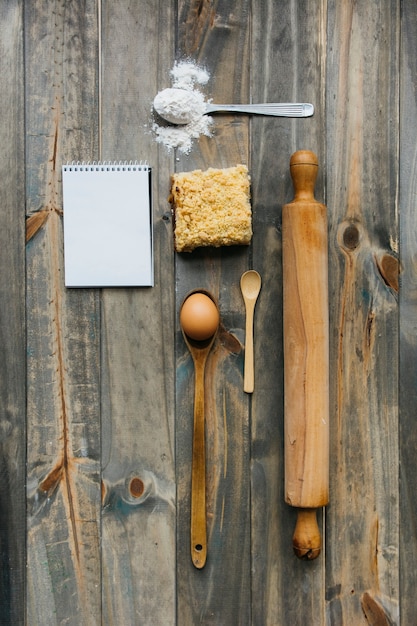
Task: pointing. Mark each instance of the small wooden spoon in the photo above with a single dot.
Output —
(199, 351)
(250, 285)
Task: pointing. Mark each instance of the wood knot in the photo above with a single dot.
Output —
(104, 492)
(351, 237)
(388, 267)
(52, 479)
(35, 222)
(374, 612)
(136, 487)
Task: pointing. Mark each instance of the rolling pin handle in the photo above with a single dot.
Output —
(306, 540)
(304, 168)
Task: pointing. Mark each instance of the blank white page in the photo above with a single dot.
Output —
(107, 225)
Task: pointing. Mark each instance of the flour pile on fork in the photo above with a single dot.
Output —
(185, 75)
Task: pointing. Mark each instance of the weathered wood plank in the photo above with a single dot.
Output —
(63, 402)
(138, 547)
(113, 355)
(287, 48)
(216, 35)
(12, 314)
(408, 302)
(362, 172)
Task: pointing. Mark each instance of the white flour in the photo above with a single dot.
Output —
(179, 106)
(185, 75)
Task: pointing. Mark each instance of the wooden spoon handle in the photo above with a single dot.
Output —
(248, 377)
(198, 474)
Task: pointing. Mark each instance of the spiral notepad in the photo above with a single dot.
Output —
(107, 224)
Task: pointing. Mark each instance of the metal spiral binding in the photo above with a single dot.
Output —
(106, 166)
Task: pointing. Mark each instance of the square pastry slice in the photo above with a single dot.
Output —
(211, 208)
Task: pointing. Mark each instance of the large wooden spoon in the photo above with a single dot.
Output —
(250, 285)
(199, 350)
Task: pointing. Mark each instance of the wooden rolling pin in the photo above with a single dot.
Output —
(306, 354)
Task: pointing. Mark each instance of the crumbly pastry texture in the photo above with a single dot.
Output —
(211, 208)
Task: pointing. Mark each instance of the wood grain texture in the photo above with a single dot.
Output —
(306, 340)
(250, 286)
(362, 171)
(63, 401)
(306, 353)
(216, 35)
(287, 55)
(407, 308)
(138, 544)
(198, 530)
(109, 380)
(12, 316)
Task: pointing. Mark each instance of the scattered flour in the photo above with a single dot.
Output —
(185, 75)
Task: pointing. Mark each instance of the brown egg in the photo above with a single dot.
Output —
(199, 317)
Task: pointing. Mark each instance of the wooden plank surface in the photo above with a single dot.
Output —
(63, 398)
(217, 37)
(12, 316)
(110, 382)
(408, 302)
(137, 367)
(362, 171)
(286, 47)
